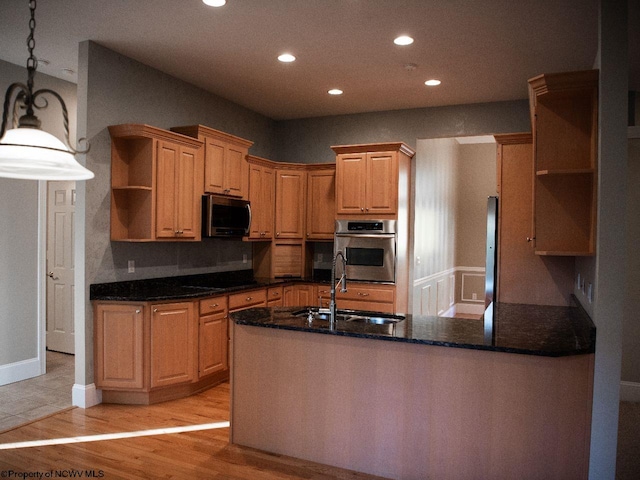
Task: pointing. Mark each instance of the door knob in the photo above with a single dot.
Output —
(52, 276)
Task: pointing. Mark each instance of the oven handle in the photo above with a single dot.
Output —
(366, 235)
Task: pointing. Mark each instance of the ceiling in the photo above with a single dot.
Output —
(482, 51)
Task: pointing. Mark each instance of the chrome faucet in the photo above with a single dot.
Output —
(343, 289)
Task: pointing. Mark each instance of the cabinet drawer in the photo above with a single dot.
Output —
(252, 298)
(372, 294)
(274, 293)
(212, 305)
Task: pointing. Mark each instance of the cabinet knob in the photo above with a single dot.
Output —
(363, 294)
(362, 209)
(277, 234)
(249, 299)
(138, 311)
(530, 239)
(213, 306)
(367, 209)
(155, 310)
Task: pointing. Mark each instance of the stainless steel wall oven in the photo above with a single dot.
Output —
(370, 249)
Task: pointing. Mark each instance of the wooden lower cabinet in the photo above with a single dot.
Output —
(213, 337)
(148, 352)
(173, 344)
(119, 332)
(299, 295)
(359, 296)
(151, 352)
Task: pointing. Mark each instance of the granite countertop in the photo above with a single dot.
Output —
(525, 329)
(188, 286)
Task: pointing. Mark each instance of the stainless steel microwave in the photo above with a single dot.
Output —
(369, 247)
(225, 217)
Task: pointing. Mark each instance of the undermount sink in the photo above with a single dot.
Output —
(373, 318)
(377, 320)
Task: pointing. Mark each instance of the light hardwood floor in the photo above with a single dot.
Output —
(198, 454)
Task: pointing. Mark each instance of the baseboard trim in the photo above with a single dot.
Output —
(629, 391)
(15, 372)
(85, 396)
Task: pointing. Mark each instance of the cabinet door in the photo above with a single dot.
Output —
(187, 198)
(213, 338)
(214, 166)
(290, 203)
(350, 184)
(261, 196)
(305, 295)
(173, 344)
(119, 346)
(166, 208)
(177, 209)
(321, 204)
(381, 187)
(236, 171)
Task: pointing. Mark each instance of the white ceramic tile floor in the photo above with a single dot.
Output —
(28, 400)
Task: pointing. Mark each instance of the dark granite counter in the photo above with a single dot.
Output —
(524, 329)
(187, 286)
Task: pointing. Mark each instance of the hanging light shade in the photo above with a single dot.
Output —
(27, 152)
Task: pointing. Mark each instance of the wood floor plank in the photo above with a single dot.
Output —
(197, 454)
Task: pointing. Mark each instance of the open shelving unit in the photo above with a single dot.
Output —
(564, 116)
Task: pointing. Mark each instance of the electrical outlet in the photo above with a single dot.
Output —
(418, 260)
(131, 266)
(244, 258)
(474, 296)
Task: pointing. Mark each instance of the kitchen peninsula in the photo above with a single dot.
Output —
(513, 400)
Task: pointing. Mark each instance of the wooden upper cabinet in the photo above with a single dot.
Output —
(290, 203)
(262, 189)
(156, 184)
(564, 114)
(367, 178)
(321, 203)
(177, 207)
(226, 171)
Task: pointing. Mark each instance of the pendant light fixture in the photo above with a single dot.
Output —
(27, 152)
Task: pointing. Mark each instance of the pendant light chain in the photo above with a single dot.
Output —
(32, 62)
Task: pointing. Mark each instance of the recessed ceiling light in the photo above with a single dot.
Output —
(335, 91)
(433, 82)
(403, 40)
(286, 58)
(214, 3)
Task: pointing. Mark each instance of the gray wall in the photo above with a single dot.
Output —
(309, 140)
(121, 90)
(19, 230)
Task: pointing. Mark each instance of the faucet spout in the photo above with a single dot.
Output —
(342, 282)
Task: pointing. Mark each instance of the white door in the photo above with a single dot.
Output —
(61, 200)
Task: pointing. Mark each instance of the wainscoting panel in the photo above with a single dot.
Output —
(446, 292)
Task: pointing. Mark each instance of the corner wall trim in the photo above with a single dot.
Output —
(629, 391)
(85, 396)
